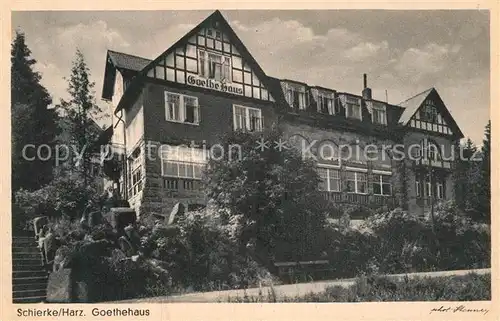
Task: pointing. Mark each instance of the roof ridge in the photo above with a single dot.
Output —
(124, 53)
(428, 89)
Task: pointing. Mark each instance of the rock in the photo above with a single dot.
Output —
(81, 292)
(132, 235)
(94, 219)
(178, 209)
(135, 258)
(126, 246)
(59, 286)
(63, 258)
(119, 217)
(97, 248)
(118, 255)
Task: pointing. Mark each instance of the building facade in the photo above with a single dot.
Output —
(207, 84)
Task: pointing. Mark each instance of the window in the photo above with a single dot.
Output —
(427, 189)
(417, 188)
(135, 173)
(353, 108)
(325, 105)
(214, 66)
(173, 106)
(247, 118)
(379, 115)
(296, 98)
(356, 182)
(428, 112)
(182, 108)
(330, 179)
(171, 183)
(440, 190)
(430, 150)
(182, 162)
(382, 185)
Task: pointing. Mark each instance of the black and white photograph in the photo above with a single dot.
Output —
(250, 156)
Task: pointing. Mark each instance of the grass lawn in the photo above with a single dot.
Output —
(470, 287)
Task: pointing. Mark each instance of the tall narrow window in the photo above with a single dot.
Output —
(226, 69)
(173, 106)
(192, 110)
(214, 66)
(353, 108)
(201, 55)
(296, 98)
(325, 105)
(417, 188)
(379, 116)
(440, 190)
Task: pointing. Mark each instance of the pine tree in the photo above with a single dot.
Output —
(32, 120)
(80, 111)
(485, 174)
(463, 174)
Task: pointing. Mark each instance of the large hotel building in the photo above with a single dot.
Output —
(207, 84)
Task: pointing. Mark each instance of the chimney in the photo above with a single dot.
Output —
(367, 92)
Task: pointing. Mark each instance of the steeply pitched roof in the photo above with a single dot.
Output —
(411, 105)
(125, 61)
(134, 88)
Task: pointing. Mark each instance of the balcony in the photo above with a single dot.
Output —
(433, 163)
(363, 199)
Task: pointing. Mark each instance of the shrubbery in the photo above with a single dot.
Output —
(396, 242)
(63, 197)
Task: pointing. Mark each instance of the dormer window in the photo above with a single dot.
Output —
(379, 115)
(325, 104)
(353, 107)
(295, 94)
(296, 99)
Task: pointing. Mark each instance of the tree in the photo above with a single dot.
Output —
(270, 195)
(473, 179)
(463, 174)
(484, 204)
(32, 121)
(79, 127)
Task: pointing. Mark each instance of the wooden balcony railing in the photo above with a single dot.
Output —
(433, 163)
(363, 199)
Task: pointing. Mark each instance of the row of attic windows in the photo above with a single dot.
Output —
(326, 102)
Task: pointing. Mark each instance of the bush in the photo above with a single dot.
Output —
(64, 196)
(397, 242)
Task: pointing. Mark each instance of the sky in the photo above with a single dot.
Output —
(403, 52)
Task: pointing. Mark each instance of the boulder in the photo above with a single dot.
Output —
(126, 247)
(118, 255)
(178, 210)
(60, 286)
(119, 217)
(63, 258)
(95, 218)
